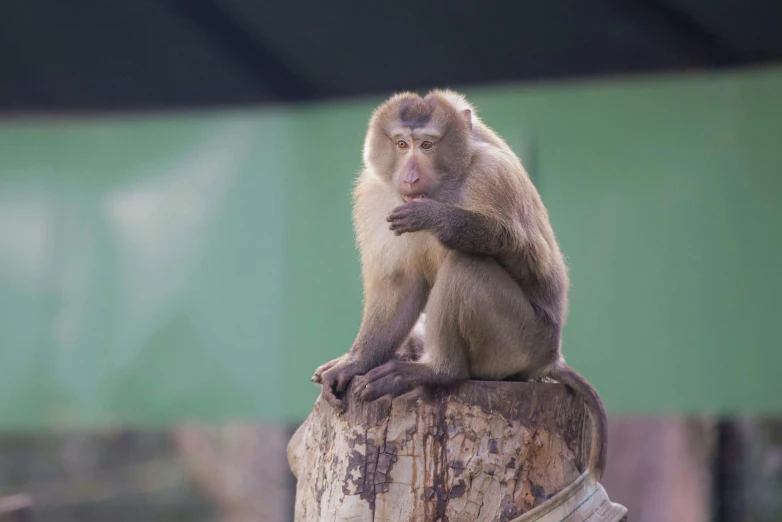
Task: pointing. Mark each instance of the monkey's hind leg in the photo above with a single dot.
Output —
(479, 324)
(413, 347)
(445, 350)
(411, 350)
(505, 336)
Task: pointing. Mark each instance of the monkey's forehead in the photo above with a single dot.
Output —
(397, 129)
(407, 113)
(416, 112)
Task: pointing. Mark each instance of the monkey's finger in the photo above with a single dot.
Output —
(380, 371)
(400, 208)
(398, 214)
(369, 393)
(328, 394)
(405, 229)
(318, 375)
(399, 223)
(323, 368)
(419, 392)
(343, 381)
(384, 387)
(403, 226)
(387, 382)
(360, 382)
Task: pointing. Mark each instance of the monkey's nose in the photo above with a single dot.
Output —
(410, 178)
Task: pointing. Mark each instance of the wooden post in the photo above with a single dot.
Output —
(486, 451)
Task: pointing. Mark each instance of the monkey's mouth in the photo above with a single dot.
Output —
(414, 197)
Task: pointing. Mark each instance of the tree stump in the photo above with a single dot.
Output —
(485, 451)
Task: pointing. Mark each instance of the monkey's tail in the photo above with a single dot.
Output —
(597, 453)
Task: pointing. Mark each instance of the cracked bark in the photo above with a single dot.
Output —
(486, 451)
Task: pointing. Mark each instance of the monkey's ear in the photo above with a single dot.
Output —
(467, 113)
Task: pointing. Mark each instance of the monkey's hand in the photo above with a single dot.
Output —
(323, 368)
(336, 379)
(414, 216)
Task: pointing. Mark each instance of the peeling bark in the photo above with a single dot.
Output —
(487, 451)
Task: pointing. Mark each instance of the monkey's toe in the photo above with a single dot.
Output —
(391, 383)
(391, 367)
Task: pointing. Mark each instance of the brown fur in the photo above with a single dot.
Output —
(477, 253)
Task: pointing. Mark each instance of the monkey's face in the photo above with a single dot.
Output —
(416, 174)
(422, 147)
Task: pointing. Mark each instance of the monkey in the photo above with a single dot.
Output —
(450, 227)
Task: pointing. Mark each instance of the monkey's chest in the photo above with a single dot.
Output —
(417, 253)
(428, 256)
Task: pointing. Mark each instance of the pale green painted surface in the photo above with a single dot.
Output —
(201, 266)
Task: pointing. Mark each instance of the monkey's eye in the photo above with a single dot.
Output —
(402, 144)
(426, 145)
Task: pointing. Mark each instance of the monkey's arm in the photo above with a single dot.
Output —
(456, 228)
(472, 233)
(392, 309)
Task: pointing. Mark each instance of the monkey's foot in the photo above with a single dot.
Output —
(396, 378)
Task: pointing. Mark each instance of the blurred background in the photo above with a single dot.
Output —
(177, 257)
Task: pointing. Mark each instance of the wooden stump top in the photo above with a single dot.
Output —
(486, 450)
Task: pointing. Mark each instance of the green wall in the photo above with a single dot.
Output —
(202, 265)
